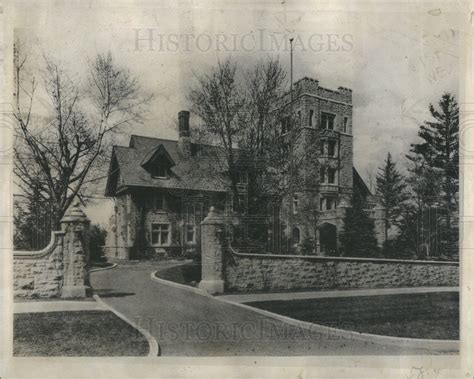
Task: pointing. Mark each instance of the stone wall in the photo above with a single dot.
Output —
(257, 272)
(225, 270)
(61, 268)
(39, 274)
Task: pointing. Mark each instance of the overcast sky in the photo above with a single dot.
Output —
(396, 60)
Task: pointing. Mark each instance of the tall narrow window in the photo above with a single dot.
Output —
(285, 125)
(321, 147)
(329, 203)
(159, 202)
(327, 121)
(322, 175)
(322, 201)
(311, 115)
(295, 204)
(331, 176)
(346, 120)
(332, 148)
(296, 235)
(190, 233)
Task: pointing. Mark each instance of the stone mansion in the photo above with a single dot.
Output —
(163, 189)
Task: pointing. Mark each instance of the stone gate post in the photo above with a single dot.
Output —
(75, 225)
(212, 249)
(380, 221)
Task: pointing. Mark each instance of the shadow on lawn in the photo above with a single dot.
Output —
(107, 292)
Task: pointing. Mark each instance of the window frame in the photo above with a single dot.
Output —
(322, 175)
(296, 243)
(158, 168)
(334, 116)
(296, 204)
(332, 142)
(332, 170)
(285, 125)
(332, 200)
(345, 124)
(322, 203)
(160, 243)
(329, 203)
(322, 149)
(163, 198)
(186, 231)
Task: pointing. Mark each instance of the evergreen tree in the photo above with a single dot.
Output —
(358, 237)
(97, 235)
(391, 188)
(434, 171)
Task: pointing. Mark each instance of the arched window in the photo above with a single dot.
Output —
(296, 235)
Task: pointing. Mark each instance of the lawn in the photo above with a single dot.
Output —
(188, 274)
(79, 333)
(429, 315)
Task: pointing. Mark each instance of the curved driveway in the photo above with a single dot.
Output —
(189, 324)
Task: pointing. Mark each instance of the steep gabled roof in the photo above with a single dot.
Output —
(200, 173)
(360, 184)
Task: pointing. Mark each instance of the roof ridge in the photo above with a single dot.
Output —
(158, 138)
(173, 140)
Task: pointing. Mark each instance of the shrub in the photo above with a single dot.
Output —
(96, 242)
(307, 246)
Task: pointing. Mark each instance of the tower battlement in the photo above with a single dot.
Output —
(307, 85)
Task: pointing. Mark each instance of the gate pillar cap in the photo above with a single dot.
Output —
(214, 217)
(75, 214)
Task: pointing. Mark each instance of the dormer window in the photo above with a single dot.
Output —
(158, 163)
(159, 171)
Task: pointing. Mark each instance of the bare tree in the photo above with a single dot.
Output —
(265, 84)
(58, 160)
(255, 115)
(218, 100)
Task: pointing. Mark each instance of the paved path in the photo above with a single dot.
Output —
(189, 324)
(246, 298)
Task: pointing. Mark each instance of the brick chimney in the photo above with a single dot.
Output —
(184, 140)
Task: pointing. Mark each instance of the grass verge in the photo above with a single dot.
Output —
(429, 315)
(76, 333)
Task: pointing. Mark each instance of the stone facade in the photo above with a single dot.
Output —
(246, 273)
(61, 268)
(130, 232)
(317, 193)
